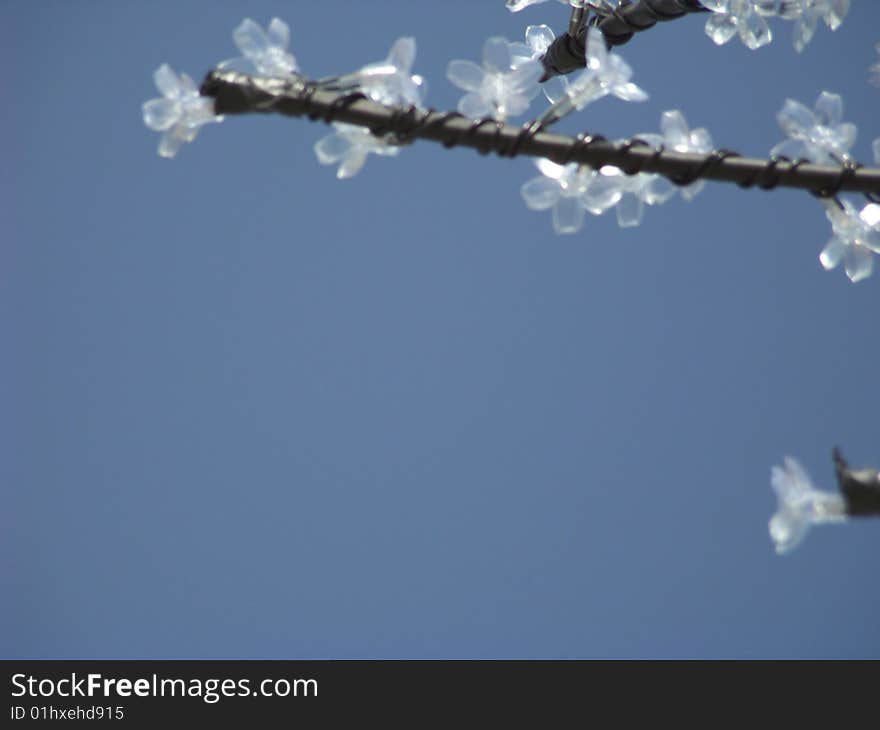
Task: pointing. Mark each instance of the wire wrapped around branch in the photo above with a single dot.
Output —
(238, 93)
(618, 26)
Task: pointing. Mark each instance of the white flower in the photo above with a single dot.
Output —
(179, 113)
(391, 81)
(806, 15)
(800, 505)
(738, 16)
(818, 136)
(350, 146)
(562, 188)
(496, 89)
(538, 41)
(678, 137)
(628, 194)
(856, 236)
(606, 73)
(264, 52)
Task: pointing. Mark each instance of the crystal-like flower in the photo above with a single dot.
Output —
(496, 88)
(738, 16)
(818, 136)
(180, 113)
(350, 146)
(562, 188)
(606, 73)
(628, 194)
(264, 52)
(856, 238)
(678, 137)
(391, 82)
(806, 15)
(538, 41)
(800, 505)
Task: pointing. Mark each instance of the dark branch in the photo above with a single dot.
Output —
(860, 489)
(237, 93)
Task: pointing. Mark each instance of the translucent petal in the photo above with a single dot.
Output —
(539, 38)
(550, 169)
(675, 129)
(832, 254)
(167, 81)
(512, 106)
(541, 193)
(844, 137)
(836, 12)
(596, 52)
(691, 191)
(171, 142)
(859, 262)
(474, 106)
(871, 215)
(466, 75)
(794, 149)
(279, 33)
(754, 31)
(250, 39)
(352, 163)
(795, 118)
(526, 76)
(701, 140)
(332, 148)
(555, 90)
(630, 92)
(187, 85)
(630, 210)
(720, 28)
(602, 193)
(829, 109)
(568, 216)
(804, 30)
(876, 148)
(520, 53)
(161, 114)
(787, 530)
(658, 190)
(496, 55)
(403, 54)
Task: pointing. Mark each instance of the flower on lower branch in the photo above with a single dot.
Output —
(800, 505)
(495, 89)
(350, 146)
(678, 137)
(855, 241)
(818, 135)
(180, 113)
(562, 189)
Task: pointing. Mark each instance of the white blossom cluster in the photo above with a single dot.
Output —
(799, 505)
(505, 84)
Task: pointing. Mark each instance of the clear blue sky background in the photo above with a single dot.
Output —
(251, 411)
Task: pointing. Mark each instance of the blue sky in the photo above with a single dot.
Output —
(251, 411)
